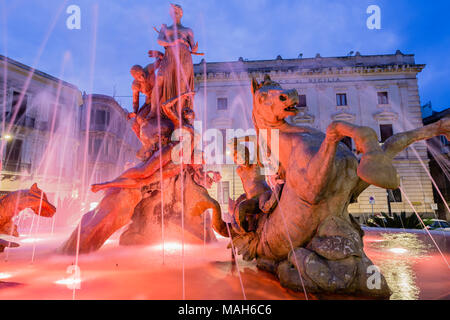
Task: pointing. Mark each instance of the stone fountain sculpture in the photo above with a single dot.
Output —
(298, 228)
(157, 189)
(13, 203)
(307, 237)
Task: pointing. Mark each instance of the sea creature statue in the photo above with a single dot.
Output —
(157, 193)
(13, 203)
(309, 239)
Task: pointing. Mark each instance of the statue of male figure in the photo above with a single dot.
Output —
(144, 82)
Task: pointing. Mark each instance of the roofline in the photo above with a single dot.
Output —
(436, 115)
(100, 96)
(36, 71)
(311, 58)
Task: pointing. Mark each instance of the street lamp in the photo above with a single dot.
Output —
(7, 137)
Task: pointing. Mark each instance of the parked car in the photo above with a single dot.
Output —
(439, 225)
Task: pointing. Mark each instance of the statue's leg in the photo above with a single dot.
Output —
(113, 212)
(401, 141)
(320, 170)
(141, 229)
(322, 166)
(197, 200)
(149, 167)
(145, 110)
(116, 183)
(375, 167)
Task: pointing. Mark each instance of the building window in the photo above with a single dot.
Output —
(383, 98)
(301, 101)
(223, 192)
(386, 131)
(14, 151)
(394, 195)
(222, 103)
(106, 147)
(341, 99)
(22, 108)
(100, 118)
(95, 145)
(98, 176)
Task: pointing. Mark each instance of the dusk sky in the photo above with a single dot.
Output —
(116, 34)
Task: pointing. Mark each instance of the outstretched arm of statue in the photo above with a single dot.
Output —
(171, 114)
(133, 177)
(192, 43)
(135, 99)
(170, 170)
(162, 39)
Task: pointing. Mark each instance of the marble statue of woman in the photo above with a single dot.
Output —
(176, 73)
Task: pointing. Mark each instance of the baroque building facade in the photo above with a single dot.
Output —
(40, 132)
(111, 144)
(379, 91)
(43, 134)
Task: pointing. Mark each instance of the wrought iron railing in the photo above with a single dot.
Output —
(15, 166)
(23, 121)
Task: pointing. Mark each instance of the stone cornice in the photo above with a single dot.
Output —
(344, 116)
(36, 73)
(386, 116)
(303, 117)
(331, 71)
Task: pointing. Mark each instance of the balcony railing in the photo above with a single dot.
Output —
(23, 121)
(15, 166)
(98, 126)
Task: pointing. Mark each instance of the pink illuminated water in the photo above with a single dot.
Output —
(411, 265)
